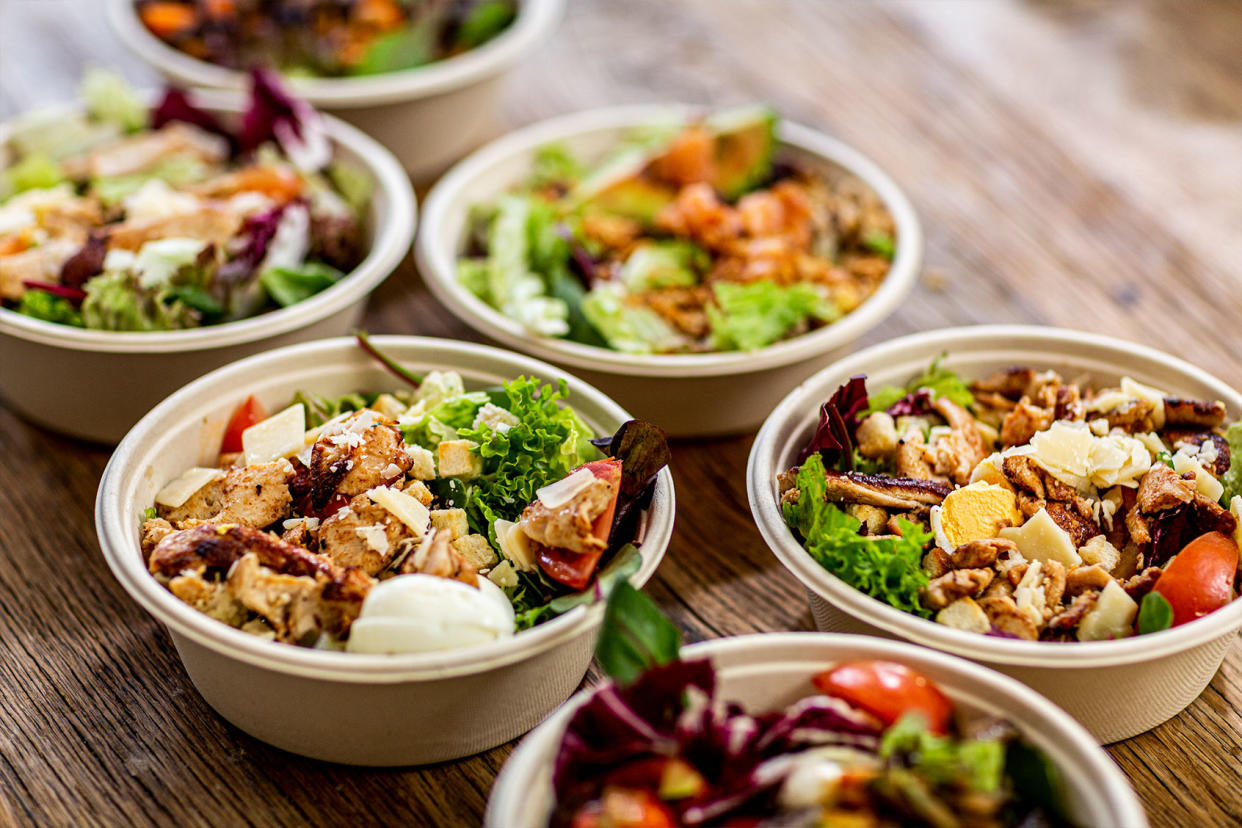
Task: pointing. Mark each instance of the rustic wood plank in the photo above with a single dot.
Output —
(1075, 163)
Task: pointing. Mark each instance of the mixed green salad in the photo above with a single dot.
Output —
(416, 520)
(873, 744)
(325, 38)
(1024, 505)
(124, 217)
(683, 238)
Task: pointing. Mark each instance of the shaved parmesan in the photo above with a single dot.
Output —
(1152, 396)
(180, 490)
(280, 435)
(1072, 454)
(375, 537)
(515, 544)
(404, 508)
(502, 575)
(1041, 539)
(1205, 483)
(555, 495)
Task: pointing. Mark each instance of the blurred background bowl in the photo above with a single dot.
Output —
(771, 671)
(349, 707)
(429, 116)
(94, 385)
(689, 395)
(1117, 689)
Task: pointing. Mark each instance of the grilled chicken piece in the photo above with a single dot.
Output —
(210, 223)
(1025, 474)
(364, 535)
(36, 264)
(1068, 618)
(1218, 452)
(1012, 383)
(977, 553)
(353, 455)
(963, 448)
(255, 496)
(1081, 529)
(137, 153)
(213, 547)
(1137, 586)
(1005, 616)
(1021, 424)
(287, 602)
(436, 556)
(1179, 413)
(569, 527)
(911, 459)
(883, 491)
(1162, 488)
(212, 598)
(959, 583)
(1082, 578)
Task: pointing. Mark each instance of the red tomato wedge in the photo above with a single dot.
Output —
(574, 569)
(1199, 579)
(888, 691)
(246, 415)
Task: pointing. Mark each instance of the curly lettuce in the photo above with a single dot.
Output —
(548, 442)
(888, 568)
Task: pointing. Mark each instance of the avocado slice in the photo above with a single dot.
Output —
(745, 144)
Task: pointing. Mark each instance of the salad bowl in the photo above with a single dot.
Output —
(47, 370)
(689, 394)
(444, 704)
(1115, 688)
(427, 116)
(770, 671)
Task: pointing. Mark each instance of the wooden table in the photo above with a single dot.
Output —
(1075, 164)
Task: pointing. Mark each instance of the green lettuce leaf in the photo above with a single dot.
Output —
(111, 100)
(548, 442)
(888, 568)
(750, 316)
(664, 264)
(635, 636)
(39, 304)
(633, 329)
(34, 172)
(288, 286)
(978, 764)
(941, 382)
(117, 302)
(1233, 477)
(554, 164)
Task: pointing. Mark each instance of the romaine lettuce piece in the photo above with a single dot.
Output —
(750, 316)
(632, 329)
(111, 100)
(34, 172)
(664, 264)
(288, 285)
(511, 286)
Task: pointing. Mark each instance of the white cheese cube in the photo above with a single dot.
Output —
(1205, 483)
(964, 614)
(280, 435)
(1111, 617)
(1040, 539)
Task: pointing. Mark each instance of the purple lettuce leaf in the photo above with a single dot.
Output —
(276, 115)
(911, 405)
(176, 106)
(838, 418)
(86, 263)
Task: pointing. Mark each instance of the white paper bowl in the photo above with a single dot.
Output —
(1117, 689)
(428, 116)
(347, 707)
(770, 671)
(688, 394)
(94, 385)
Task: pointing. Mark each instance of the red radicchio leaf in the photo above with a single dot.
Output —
(913, 404)
(87, 262)
(258, 231)
(176, 106)
(585, 263)
(72, 294)
(275, 115)
(838, 418)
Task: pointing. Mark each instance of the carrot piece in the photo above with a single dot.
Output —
(168, 19)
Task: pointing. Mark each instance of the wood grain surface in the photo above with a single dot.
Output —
(1075, 164)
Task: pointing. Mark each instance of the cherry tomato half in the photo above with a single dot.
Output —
(246, 415)
(1199, 579)
(888, 691)
(574, 569)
